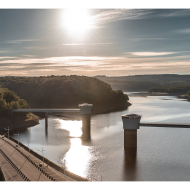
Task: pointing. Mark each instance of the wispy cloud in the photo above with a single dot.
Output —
(3, 51)
(145, 39)
(29, 55)
(67, 60)
(151, 53)
(20, 41)
(106, 16)
(7, 57)
(88, 44)
(183, 31)
(175, 13)
(91, 65)
(120, 14)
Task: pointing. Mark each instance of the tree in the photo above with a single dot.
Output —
(8, 101)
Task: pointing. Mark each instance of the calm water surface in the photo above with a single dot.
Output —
(163, 154)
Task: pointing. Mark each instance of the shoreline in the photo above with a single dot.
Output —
(146, 93)
(185, 97)
(15, 125)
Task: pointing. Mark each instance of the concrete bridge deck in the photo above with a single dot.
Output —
(164, 125)
(46, 110)
(17, 164)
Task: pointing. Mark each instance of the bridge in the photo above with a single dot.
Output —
(172, 125)
(19, 163)
(131, 123)
(46, 111)
(84, 110)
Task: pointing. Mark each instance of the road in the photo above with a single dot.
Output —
(17, 164)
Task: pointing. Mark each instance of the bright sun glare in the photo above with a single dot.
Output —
(77, 21)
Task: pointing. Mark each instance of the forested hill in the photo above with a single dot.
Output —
(182, 89)
(144, 82)
(66, 92)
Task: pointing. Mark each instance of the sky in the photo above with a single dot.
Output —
(112, 42)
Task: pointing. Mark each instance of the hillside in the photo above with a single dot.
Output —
(182, 89)
(66, 92)
(144, 82)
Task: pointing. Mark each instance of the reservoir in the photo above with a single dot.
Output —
(163, 154)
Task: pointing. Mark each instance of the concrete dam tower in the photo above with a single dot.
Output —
(85, 110)
(131, 123)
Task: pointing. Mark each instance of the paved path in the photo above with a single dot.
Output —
(18, 165)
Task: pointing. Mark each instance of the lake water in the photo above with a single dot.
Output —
(163, 154)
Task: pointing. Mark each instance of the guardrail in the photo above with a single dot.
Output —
(48, 162)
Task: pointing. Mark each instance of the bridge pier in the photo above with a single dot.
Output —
(85, 110)
(131, 123)
(46, 120)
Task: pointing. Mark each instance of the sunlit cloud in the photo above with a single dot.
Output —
(87, 44)
(151, 53)
(107, 16)
(7, 57)
(113, 15)
(91, 65)
(20, 41)
(28, 55)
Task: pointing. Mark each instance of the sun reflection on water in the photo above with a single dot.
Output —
(78, 157)
(74, 127)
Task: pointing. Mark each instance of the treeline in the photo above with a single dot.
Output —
(8, 101)
(182, 88)
(144, 82)
(66, 92)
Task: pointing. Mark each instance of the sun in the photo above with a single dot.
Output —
(77, 21)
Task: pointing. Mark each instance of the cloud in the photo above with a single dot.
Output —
(88, 44)
(7, 57)
(107, 16)
(151, 53)
(183, 31)
(3, 51)
(20, 41)
(81, 65)
(146, 38)
(175, 13)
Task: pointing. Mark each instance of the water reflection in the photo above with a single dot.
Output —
(78, 157)
(129, 168)
(46, 132)
(74, 127)
(104, 154)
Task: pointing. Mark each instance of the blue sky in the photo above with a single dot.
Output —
(35, 42)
